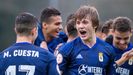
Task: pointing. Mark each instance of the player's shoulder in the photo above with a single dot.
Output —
(4, 52)
(40, 36)
(42, 50)
(62, 34)
(67, 48)
(107, 47)
(130, 45)
(62, 37)
(103, 43)
(7, 49)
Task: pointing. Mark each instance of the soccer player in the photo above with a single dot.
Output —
(87, 55)
(70, 29)
(121, 43)
(99, 33)
(24, 58)
(108, 25)
(105, 30)
(49, 29)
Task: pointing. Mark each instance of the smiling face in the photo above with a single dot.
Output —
(121, 32)
(121, 39)
(55, 26)
(85, 28)
(52, 28)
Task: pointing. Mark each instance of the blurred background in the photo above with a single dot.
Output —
(10, 8)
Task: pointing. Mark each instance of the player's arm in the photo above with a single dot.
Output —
(53, 68)
(127, 55)
(62, 62)
(56, 51)
(63, 57)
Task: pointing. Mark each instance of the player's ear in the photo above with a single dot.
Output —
(95, 27)
(34, 31)
(44, 25)
(15, 30)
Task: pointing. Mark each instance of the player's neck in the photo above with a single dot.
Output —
(47, 37)
(91, 41)
(70, 38)
(24, 39)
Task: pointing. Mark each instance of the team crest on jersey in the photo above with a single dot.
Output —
(130, 61)
(59, 58)
(100, 56)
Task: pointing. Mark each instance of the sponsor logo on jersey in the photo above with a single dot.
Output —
(100, 56)
(122, 71)
(82, 70)
(85, 69)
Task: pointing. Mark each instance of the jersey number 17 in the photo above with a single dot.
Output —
(29, 69)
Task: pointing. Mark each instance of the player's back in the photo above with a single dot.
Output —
(27, 59)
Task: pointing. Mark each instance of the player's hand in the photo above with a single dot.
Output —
(126, 56)
(44, 45)
(56, 49)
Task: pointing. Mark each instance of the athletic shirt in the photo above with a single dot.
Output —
(27, 59)
(127, 67)
(76, 58)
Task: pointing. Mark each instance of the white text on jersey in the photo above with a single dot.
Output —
(28, 53)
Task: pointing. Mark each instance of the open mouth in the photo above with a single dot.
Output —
(57, 31)
(82, 32)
